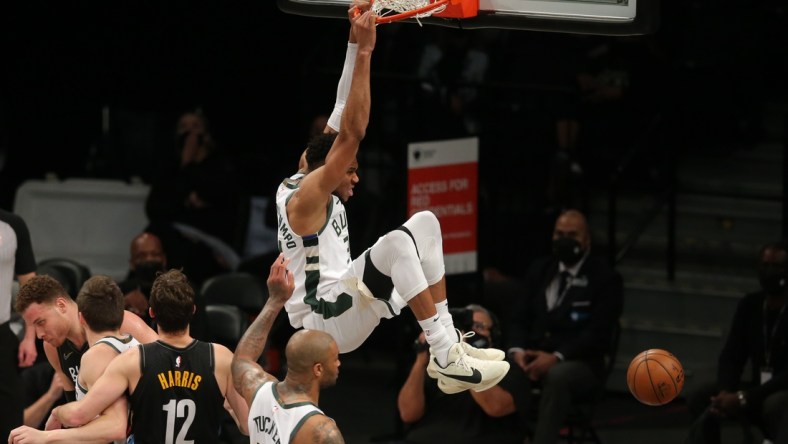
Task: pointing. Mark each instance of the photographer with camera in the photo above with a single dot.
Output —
(494, 415)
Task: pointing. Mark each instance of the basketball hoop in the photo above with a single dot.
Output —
(394, 10)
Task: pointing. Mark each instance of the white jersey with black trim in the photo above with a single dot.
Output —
(317, 261)
(271, 421)
(119, 345)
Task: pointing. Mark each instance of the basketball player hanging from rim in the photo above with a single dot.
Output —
(347, 297)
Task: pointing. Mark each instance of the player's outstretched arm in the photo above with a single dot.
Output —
(107, 389)
(238, 407)
(109, 426)
(306, 210)
(135, 326)
(343, 87)
(247, 373)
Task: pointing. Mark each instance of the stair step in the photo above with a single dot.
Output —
(716, 274)
(694, 309)
(723, 249)
(698, 213)
(732, 179)
(703, 279)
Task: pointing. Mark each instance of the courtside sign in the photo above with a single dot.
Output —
(443, 178)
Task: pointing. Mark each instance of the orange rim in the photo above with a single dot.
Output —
(408, 14)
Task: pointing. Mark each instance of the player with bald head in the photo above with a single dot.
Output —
(286, 411)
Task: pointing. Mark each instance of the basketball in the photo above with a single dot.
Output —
(655, 377)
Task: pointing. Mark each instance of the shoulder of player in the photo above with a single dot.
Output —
(223, 357)
(98, 355)
(306, 210)
(319, 429)
(135, 326)
(93, 363)
(129, 358)
(221, 351)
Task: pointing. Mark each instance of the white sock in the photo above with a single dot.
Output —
(447, 320)
(437, 337)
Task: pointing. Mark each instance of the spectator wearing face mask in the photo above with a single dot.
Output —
(562, 325)
(758, 336)
(147, 260)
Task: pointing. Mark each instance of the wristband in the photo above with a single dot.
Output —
(343, 88)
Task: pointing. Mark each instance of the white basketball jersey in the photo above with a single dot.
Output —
(271, 421)
(118, 344)
(318, 261)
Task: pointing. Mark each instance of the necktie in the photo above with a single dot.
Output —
(563, 281)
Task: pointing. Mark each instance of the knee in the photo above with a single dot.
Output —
(558, 378)
(392, 247)
(775, 410)
(698, 400)
(400, 242)
(425, 222)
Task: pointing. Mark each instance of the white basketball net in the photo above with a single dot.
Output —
(385, 7)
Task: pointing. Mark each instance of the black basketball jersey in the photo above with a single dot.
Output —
(177, 398)
(70, 356)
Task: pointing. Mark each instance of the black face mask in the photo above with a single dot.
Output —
(146, 273)
(479, 341)
(772, 279)
(567, 250)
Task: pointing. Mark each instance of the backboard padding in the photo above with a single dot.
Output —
(602, 17)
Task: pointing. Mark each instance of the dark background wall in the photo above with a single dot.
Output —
(705, 69)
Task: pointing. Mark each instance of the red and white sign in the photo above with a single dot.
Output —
(443, 178)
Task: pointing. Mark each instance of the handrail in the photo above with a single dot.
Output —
(668, 197)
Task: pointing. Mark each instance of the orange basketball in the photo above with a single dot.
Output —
(655, 377)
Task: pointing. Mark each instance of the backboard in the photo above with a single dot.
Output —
(603, 17)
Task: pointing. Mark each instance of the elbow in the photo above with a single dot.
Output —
(408, 418)
(496, 411)
(410, 415)
(243, 427)
(76, 419)
(357, 134)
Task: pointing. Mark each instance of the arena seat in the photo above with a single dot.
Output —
(70, 273)
(226, 324)
(240, 289)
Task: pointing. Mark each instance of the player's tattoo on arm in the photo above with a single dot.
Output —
(327, 433)
(247, 373)
(247, 377)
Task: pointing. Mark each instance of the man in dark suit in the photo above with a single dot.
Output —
(752, 371)
(562, 326)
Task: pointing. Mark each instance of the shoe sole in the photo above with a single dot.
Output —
(450, 389)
